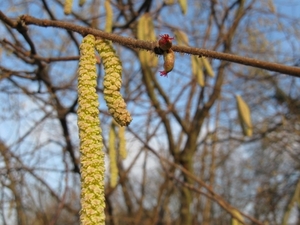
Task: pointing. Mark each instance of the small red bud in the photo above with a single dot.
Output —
(165, 42)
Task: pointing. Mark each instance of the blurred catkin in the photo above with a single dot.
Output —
(68, 7)
(112, 156)
(81, 2)
(109, 17)
(244, 116)
(122, 143)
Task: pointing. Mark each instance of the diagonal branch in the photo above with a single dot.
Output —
(209, 193)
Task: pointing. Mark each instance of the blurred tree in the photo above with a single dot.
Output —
(188, 161)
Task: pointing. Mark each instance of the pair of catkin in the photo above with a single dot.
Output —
(91, 144)
(112, 82)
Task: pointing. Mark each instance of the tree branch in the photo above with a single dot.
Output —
(210, 192)
(152, 46)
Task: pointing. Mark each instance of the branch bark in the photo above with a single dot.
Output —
(151, 46)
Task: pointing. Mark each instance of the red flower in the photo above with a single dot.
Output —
(163, 73)
(165, 42)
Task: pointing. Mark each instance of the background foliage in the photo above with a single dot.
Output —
(188, 161)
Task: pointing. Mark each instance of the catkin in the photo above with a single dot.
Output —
(109, 17)
(68, 7)
(207, 66)
(91, 155)
(81, 2)
(122, 143)
(146, 31)
(112, 83)
(169, 59)
(112, 156)
(244, 116)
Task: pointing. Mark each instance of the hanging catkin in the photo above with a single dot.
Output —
(91, 155)
(112, 83)
(68, 7)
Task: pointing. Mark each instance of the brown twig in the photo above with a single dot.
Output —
(146, 45)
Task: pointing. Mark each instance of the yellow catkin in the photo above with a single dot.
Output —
(146, 31)
(244, 116)
(122, 143)
(169, 60)
(207, 66)
(81, 2)
(183, 5)
(197, 65)
(68, 7)
(112, 156)
(91, 154)
(197, 70)
(238, 215)
(181, 37)
(109, 17)
(112, 83)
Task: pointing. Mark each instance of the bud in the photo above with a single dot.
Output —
(169, 59)
(165, 42)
